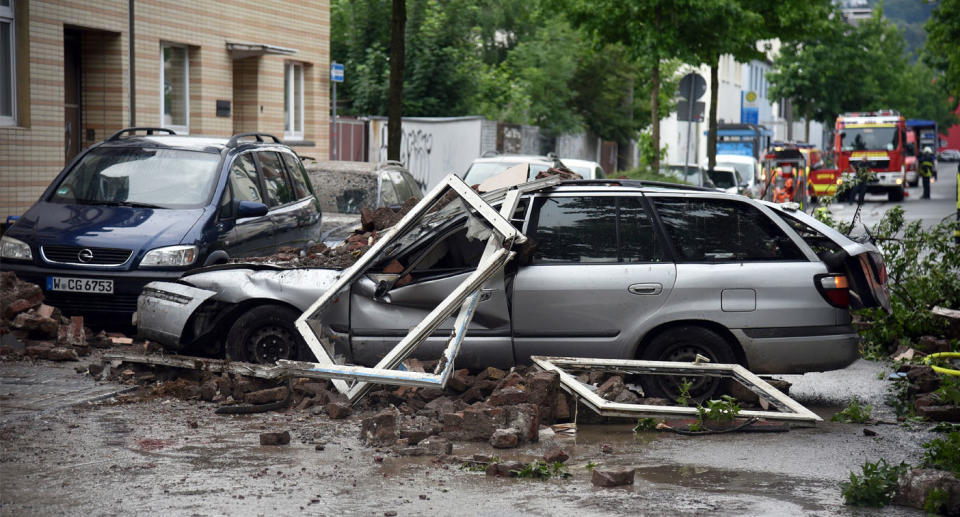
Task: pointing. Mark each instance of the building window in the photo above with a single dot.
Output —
(175, 85)
(8, 80)
(293, 101)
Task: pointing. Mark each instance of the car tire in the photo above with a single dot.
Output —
(683, 344)
(895, 196)
(264, 334)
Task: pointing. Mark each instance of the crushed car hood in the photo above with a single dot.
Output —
(240, 282)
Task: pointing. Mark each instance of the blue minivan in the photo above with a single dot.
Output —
(147, 204)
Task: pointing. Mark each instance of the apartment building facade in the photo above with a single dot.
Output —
(74, 71)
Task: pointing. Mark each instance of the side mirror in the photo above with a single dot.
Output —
(250, 209)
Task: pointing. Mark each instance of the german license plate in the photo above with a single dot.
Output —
(79, 285)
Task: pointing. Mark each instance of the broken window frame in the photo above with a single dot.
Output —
(790, 410)
(465, 296)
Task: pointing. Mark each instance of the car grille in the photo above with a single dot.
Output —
(80, 303)
(71, 255)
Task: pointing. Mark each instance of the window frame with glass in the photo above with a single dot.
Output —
(8, 59)
(179, 128)
(293, 101)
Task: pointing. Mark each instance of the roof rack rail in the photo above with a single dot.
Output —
(490, 153)
(150, 131)
(626, 182)
(235, 139)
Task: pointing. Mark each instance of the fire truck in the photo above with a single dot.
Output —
(878, 139)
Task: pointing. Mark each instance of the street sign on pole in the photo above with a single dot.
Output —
(692, 86)
(336, 76)
(336, 72)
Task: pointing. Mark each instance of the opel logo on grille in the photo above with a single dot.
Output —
(85, 255)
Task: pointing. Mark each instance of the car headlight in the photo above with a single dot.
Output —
(15, 249)
(170, 256)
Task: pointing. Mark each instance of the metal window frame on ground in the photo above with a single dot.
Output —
(465, 296)
(789, 409)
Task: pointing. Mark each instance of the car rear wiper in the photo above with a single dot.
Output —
(133, 204)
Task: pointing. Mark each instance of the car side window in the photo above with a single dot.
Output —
(723, 230)
(639, 239)
(413, 185)
(297, 175)
(388, 192)
(243, 179)
(276, 190)
(575, 230)
(226, 203)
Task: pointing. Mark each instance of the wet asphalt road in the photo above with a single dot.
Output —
(106, 458)
(942, 202)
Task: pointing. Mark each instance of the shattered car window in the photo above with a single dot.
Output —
(346, 192)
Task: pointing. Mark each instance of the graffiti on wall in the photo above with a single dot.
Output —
(415, 148)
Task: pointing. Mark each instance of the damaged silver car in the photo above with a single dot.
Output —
(611, 269)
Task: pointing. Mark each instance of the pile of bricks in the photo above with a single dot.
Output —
(31, 328)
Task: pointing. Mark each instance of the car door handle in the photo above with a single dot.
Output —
(486, 294)
(650, 289)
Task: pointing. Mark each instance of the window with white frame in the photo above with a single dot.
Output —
(175, 87)
(8, 66)
(293, 101)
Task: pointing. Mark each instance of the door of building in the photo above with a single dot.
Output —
(71, 93)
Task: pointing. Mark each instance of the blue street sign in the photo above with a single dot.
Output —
(336, 72)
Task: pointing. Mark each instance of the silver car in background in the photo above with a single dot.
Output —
(620, 269)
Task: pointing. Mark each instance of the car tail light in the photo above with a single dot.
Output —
(835, 289)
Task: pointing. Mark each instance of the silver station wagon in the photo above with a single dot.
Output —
(612, 268)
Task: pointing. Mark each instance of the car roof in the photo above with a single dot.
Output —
(210, 144)
(529, 158)
(371, 168)
(579, 162)
(736, 158)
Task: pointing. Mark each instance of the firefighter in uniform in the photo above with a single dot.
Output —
(926, 170)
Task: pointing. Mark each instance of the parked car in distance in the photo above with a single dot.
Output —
(138, 207)
(344, 188)
(489, 166)
(726, 179)
(687, 174)
(950, 155)
(749, 169)
(618, 270)
(587, 169)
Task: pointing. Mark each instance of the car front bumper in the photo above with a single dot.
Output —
(798, 349)
(127, 286)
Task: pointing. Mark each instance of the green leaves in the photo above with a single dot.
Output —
(875, 486)
(854, 413)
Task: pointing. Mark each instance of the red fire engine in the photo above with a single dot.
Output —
(878, 140)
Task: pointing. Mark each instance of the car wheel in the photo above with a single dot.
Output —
(263, 335)
(895, 196)
(683, 344)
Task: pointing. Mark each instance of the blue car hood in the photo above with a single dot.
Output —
(137, 229)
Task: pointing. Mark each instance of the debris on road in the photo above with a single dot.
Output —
(611, 477)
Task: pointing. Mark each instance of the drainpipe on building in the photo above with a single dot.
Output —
(132, 66)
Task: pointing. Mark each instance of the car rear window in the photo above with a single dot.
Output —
(723, 230)
(820, 243)
(599, 229)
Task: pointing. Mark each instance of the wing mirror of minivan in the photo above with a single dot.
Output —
(250, 209)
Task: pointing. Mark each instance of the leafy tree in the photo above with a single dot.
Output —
(943, 40)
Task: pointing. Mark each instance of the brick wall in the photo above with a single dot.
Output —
(32, 155)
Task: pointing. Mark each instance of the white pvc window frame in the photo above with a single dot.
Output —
(465, 296)
(9, 47)
(788, 409)
(184, 128)
(293, 109)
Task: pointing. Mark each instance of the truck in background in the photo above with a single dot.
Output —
(877, 138)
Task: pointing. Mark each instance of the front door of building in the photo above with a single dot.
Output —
(71, 93)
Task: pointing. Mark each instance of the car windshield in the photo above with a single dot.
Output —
(745, 169)
(722, 179)
(868, 138)
(155, 178)
(344, 191)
